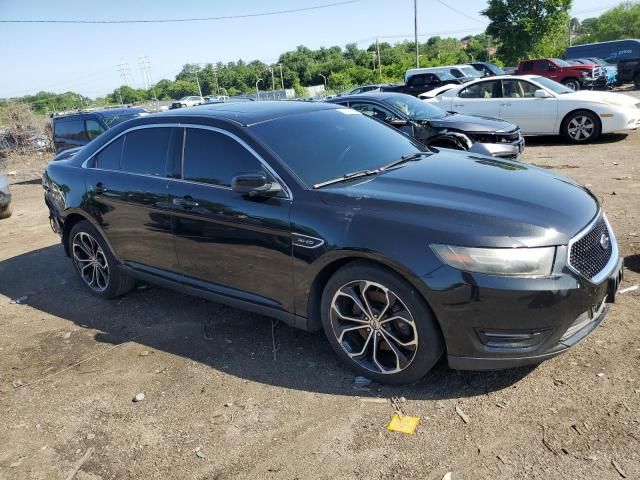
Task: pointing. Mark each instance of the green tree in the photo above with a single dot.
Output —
(528, 28)
(617, 23)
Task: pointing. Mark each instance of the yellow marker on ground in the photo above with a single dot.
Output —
(403, 424)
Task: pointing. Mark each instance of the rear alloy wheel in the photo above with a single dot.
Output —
(379, 325)
(581, 127)
(95, 263)
(572, 83)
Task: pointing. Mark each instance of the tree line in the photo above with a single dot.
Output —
(517, 29)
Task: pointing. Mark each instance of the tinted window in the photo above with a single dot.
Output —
(527, 66)
(215, 158)
(145, 151)
(93, 129)
(415, 109)
(482, 90)
(112, 120)
(372, 110)
(542, 65)
(70, 129)
(456, 73)
(327, 144)
(109, 157)
(416, 80)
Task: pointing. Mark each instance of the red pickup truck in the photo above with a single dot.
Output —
(573, 76)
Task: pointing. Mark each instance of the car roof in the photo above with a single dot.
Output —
(104, 112)
(247, 113)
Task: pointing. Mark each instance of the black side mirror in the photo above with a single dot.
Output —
(254, 183)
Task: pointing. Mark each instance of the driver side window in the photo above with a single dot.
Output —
(518, 89)
(481, 90)
(372, 110)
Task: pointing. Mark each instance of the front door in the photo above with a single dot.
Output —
(230, 243)
(482, 98)
(128, 194)
(533, 115)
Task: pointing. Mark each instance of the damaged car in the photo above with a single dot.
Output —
(435, 127)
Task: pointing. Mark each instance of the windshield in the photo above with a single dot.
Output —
(555, 87)
(113, 120)
(415, 109)
(470, 72)
(560, 63)
(328, 144)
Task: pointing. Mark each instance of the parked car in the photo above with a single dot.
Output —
(398, 253)
(463, 72)
(364, 88)
(434, 127)
(5, 197)
(625, 54)
(575, 77)
(608, 70)
(75, 129)
(487, 69)
(188, 101)
(540, 106)
(421, 81)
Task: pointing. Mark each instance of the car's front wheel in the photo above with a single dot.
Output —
(379, 325)
(572, 83)
(95, 263)
(581, 127)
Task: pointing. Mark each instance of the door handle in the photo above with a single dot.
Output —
(505, 104)
(100, 188)
(459, 105)
(185, 202)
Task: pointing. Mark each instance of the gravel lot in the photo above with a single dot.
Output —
(220, 404)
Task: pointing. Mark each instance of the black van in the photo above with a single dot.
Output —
(79, 128)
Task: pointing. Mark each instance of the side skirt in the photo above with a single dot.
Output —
(209, 294)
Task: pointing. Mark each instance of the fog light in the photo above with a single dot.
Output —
(512, 340)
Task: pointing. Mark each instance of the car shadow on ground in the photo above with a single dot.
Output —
(224, 338)
(632, 262)
(555, 140)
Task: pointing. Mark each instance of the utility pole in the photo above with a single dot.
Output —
(215, 76)
(569, 30)
(195, 70)
(125, 73)
(415, 29)
(281, 77)
(379, 64)
(273, 83)
(325, 81)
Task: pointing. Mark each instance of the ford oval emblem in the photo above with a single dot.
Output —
(605, 243)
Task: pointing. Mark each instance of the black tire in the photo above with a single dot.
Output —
(429, 344)
(572, 83)
(6, 212)
(636, 81)
(591, 127)
(117, 282)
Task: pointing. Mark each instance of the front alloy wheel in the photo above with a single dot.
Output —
(374, 327)
(91, 261)
(582, 127)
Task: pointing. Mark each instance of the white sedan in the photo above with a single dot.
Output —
(540, 106)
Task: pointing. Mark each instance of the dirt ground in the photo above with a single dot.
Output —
(220, 404)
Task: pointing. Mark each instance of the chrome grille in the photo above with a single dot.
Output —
(591, 253)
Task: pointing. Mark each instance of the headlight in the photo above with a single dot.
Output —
(498, 261)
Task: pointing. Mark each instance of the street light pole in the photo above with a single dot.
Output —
(325, 82)
(273, 83)
(258, 91)
(195, 70)
(415, 30)
(225, 91)
(281, 77)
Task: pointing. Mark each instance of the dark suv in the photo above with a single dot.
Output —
(322, 217)
(72, 130)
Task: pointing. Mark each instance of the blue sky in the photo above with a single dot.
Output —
(84, 58)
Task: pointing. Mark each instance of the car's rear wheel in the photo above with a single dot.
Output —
(379, 325)
(95, 263)
(581, 127)
(6, 212)
(572, 83)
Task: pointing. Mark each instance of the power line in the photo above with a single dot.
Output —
(181, 20)
(461, 13)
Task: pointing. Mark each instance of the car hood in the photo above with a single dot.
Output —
(462, 199)
(609, 98)
(472, 123)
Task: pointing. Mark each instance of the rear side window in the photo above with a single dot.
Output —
(94, 129)
(145, 151)
(482, 90)
(527, 66)
(109, 157)
(70, 129)
(214, 158)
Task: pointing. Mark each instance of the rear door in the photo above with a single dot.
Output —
(226, 242)
(128, 194)
(482, 98)
(533, 115)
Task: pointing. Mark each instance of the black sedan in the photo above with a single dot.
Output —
(325, 218)
(434, 127)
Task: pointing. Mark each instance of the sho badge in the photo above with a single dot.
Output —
(306, 241)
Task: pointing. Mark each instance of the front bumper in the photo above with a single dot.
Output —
(508, 150)
(598, 82)
(491, 322)
(5, 199)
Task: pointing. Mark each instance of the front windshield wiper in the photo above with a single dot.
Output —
(365, 173)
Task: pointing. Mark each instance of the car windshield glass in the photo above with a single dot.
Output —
(415, 109)
(328, 144)
(441, 73)
(113, 120)
(555, 87)
(470, 72)
(560, 63)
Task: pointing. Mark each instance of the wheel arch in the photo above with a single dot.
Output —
(74, 216)
(576, 110)
(344, 258)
